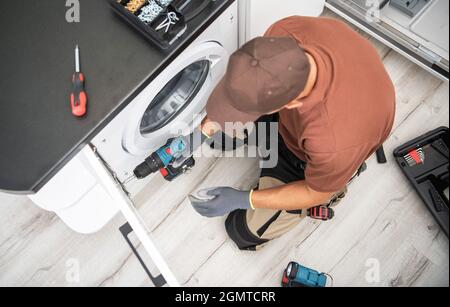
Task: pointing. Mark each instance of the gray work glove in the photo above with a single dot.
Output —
(220, 201)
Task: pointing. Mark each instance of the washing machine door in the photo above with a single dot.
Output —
(175, 101)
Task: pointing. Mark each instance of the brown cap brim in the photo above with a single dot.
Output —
(221, 108)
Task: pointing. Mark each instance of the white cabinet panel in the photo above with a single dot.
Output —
(64, 190)
(76, 195)
(256, 16)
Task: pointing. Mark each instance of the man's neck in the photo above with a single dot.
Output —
(312, 79)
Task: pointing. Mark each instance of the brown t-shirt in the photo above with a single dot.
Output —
(351, 110)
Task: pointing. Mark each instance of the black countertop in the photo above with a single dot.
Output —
(38, 133)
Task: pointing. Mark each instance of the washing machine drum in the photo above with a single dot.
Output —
(175, 97)
(175, 101)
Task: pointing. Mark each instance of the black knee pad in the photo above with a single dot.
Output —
(238, 231)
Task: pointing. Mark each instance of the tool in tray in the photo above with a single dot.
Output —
(159, 20)
(425, 162)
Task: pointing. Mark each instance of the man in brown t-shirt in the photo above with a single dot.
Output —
(335, 104)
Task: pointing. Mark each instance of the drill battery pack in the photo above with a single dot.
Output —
(171, 173)
(298, 276)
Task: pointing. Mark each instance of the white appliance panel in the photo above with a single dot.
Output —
(256, 16)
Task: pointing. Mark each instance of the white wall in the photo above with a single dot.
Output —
(256, 16)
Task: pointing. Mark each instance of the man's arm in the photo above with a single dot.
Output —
(293, 196)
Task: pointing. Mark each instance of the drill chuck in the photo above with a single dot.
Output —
(151, 165)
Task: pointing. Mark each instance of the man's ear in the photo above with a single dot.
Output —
(294, 105)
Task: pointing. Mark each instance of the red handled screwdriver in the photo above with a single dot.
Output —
(78, 98)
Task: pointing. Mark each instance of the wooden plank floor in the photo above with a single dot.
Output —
(381, 222)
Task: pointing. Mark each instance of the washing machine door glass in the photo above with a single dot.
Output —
(175, 97)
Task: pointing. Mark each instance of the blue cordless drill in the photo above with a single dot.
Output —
(162, 160)
(299, 276)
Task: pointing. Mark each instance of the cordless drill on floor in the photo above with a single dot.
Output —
(162, 160)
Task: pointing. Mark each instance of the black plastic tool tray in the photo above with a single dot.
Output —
(431, 178)
(159, 38)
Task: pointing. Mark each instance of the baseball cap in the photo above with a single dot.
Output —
(263, 76)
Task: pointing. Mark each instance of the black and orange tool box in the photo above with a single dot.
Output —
(425, 162)
(161, 21)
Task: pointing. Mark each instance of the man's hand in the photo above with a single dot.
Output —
(223, 201)
(189, 144)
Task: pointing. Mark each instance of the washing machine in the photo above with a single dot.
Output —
(173, 103)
